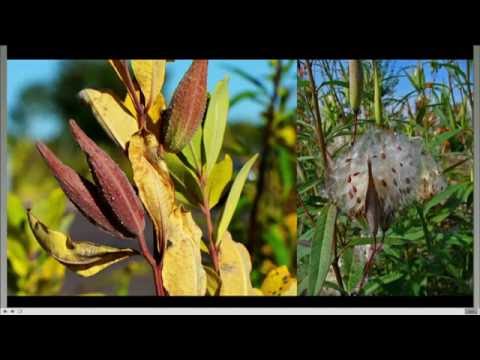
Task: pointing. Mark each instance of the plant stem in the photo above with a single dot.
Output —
(320, 137)
(368, 265)
(212, 249)
(156, 268)
(336, 268)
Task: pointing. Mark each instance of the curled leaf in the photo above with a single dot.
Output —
(279, 282)
(187, 107)
(150, 75)
(373, 207)
(112, 115)
(183, 273)
(84, 258)
(235, 268)
(83, 194)
(153, 182)
(233, 197)
(113, 184)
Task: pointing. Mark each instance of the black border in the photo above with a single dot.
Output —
(267, 50)
(227, 302)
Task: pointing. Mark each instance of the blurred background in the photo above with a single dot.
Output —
(43, 95)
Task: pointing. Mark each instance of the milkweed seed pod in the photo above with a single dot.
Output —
(186, 110)
(398, 167)
(83, 194)
(113, 183)
(355, 73)
(431, 179)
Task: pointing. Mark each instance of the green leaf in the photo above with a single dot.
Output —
(322, 246)
(233, 198)
(215, 124)
(185, 180)
(440, 139)
(15, 211)
(218, 180)
(193, 150)
(441, 197)
(17, 256)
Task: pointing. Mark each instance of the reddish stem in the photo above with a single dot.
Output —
(157, 269)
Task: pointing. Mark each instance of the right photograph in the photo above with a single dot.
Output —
(385, 177)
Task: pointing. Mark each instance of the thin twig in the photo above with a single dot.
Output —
(156, 268)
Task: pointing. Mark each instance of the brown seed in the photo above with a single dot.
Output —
(395, 183)
(113, 183)
(384, 183)
(383, 156)
(394, 171)
(354, 189)
(356, 174)
(349, 179)
(407, 180)
(350, 194)
(399, 148)
(348, 160)
(358, 200)
(401, 164)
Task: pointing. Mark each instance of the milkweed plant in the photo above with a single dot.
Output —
(385, 207)
(174, 154)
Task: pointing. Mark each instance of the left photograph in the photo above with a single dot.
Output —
(151, 177)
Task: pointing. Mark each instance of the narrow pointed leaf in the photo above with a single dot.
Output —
(193, 150)
(215, 123)
(218, 180)
(322, 249)
(84, 258)
(233, 197)
(113, 184)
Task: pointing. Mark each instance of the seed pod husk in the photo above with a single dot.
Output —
(186, 110)
(355, 84)
(113, 183)
(83, 194)
(377, 94)
(373, 207)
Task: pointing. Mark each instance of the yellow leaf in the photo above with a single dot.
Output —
(183, 273)
(154, 113)
(235, 268)
(151, 176)
(84, 258)
(17, 257)
(213, 281)
(279, 282)
(218, 179)
(288, 134)
(112, 115)
(150, 75)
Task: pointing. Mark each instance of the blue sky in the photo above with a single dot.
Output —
(22, 73)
